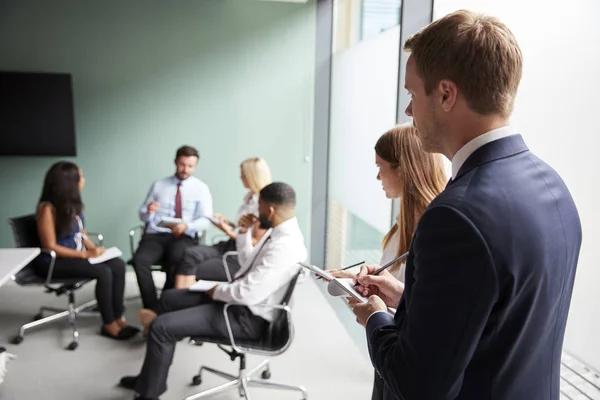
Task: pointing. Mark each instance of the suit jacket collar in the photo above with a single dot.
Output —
(496, 150)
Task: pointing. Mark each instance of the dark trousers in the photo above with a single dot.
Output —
(109, 276)
(158, 248)
(206, 262)
(182, 314)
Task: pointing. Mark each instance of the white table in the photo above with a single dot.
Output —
(12, 260)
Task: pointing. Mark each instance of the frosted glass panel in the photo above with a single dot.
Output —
(363, 107)
(556, 111)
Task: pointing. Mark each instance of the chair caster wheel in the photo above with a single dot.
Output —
(72, 346)
(266, 374)
(37, 317)
(196, 380)
(17, 339)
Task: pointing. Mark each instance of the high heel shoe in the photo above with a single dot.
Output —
(124, 333)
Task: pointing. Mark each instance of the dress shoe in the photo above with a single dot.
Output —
(128, 382)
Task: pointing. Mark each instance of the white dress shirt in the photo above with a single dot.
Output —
(461, 155)
(264, 277)
(249, 206)
(196, 202)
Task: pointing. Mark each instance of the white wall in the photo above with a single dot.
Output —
(556, 112)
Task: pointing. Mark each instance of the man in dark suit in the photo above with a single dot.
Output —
(491, 267)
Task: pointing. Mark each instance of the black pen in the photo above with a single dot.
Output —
(394, 261)
(353, 265)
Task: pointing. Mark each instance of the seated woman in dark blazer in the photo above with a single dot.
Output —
(60, 225)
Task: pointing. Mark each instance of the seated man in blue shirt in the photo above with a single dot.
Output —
(182, 197)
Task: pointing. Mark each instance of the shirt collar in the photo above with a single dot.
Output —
(251, 197)
(285, 228)
(461, 155)
(176, 180)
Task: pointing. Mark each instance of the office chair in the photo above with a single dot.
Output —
(276, 339)
(25, 235)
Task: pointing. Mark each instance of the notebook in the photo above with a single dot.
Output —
(337, 286)
(109, 254)
(203, 286)
(164, 221)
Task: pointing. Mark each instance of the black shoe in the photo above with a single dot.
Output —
(131, 329)
(124, 334)
(145, 398)
(128, 382)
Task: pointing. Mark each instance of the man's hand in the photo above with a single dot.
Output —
(179, 229)
(153, 207)
(385, 285)
(246, 222)
(364, 310)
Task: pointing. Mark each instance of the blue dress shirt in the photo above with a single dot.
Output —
(196, 202)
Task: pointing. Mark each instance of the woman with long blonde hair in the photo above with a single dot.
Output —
(206, 261)
(415, 177)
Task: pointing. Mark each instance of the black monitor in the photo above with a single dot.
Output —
(36, 114)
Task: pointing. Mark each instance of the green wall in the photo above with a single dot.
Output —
(232, 77)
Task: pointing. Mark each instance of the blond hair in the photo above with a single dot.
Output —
(422, 176)
(476, 52)
(257, 173)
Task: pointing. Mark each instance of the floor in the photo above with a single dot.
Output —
(335, 365)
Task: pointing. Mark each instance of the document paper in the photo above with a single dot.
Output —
(109, 254)
(203, 286)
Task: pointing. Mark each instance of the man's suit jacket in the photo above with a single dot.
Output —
(489, 280)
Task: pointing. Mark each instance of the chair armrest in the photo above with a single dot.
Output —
(226, 266)
(132, 237)
(239, 349)
(98, 236)
(52, 255)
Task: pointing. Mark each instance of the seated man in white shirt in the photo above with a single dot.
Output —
(266, 272)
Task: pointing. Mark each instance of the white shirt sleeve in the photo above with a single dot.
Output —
(264, 278)
(244, 247)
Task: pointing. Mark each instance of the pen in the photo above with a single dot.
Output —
(353, 265)
(394, 261)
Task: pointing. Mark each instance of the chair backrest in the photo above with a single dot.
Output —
(25, 234)
(25, 231)
(279, 333)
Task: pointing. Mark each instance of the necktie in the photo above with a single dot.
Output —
(178, 201)
(253, 260)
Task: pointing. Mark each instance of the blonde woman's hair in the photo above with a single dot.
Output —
(422, 176)
(257, 173)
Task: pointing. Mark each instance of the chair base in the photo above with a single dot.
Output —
(242, 381)
(71, 313)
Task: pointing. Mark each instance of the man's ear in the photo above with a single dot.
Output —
(448, 93)
(271, 212)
